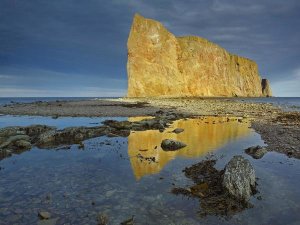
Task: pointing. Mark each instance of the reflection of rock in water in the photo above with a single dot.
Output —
(201, 135)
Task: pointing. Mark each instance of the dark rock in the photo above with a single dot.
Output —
(172, 145)
(257, 152)
(119, 125)
(178, 130)
(239, 178)
(23, 144)
(13, 139)
(129, 221)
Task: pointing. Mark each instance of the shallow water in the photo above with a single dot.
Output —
(60, 122)
(106, 177)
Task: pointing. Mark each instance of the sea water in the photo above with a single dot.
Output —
(107, 177)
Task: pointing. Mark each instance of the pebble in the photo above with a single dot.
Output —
(44, 215)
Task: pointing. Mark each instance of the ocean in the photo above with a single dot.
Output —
(286, 103)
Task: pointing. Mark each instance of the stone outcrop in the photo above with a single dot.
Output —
(266, 88)
(160, 64)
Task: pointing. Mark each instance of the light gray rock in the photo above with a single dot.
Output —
(239, 178)
(257, 152)
(44, 215)
(172, 145)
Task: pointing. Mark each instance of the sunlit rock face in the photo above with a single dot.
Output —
(201, 135)
(160, 64)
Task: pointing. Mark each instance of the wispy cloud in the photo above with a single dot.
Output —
(237, 7)
(2, 77)
(69, 92)
(288, 85)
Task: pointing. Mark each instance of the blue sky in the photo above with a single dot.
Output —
(78, 48)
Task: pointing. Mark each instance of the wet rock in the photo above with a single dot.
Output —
(13, 139)
(48, 222)
(119, 125)
(81, 145)
(23, 144)
(239, 178)
(35, 130)
(10, 131)
(129, 221)
(44, 215)
(178, 130)
(102, 219)
(71, 135)
(172, 145)
(257, 152)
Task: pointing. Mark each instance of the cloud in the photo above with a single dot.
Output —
(289, 86)
(69, 92)
(40, 82)
(237, 7)
(72, 43)
(2, 77)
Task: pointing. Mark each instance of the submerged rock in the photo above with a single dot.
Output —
(172, 145)
(239, 178)
(129, 221)
(257, 152)
(48, 222)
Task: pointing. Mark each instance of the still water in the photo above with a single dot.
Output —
(107, 177)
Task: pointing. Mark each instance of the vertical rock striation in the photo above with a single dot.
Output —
(160, 64)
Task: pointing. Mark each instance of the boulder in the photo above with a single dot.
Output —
(239, 178)
(178, 130)
(172, 145)
(256, 152)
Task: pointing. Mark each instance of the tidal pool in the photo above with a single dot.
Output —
(112, 176)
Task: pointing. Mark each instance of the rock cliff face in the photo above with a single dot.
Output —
(160, 64)
(266, 88)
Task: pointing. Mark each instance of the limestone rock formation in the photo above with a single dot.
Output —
(160, 64)
(266, 88)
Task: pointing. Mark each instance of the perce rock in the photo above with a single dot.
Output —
(160, 64)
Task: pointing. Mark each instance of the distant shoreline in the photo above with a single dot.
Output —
(137, 107)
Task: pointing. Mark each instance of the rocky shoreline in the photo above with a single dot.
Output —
(280, 130)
